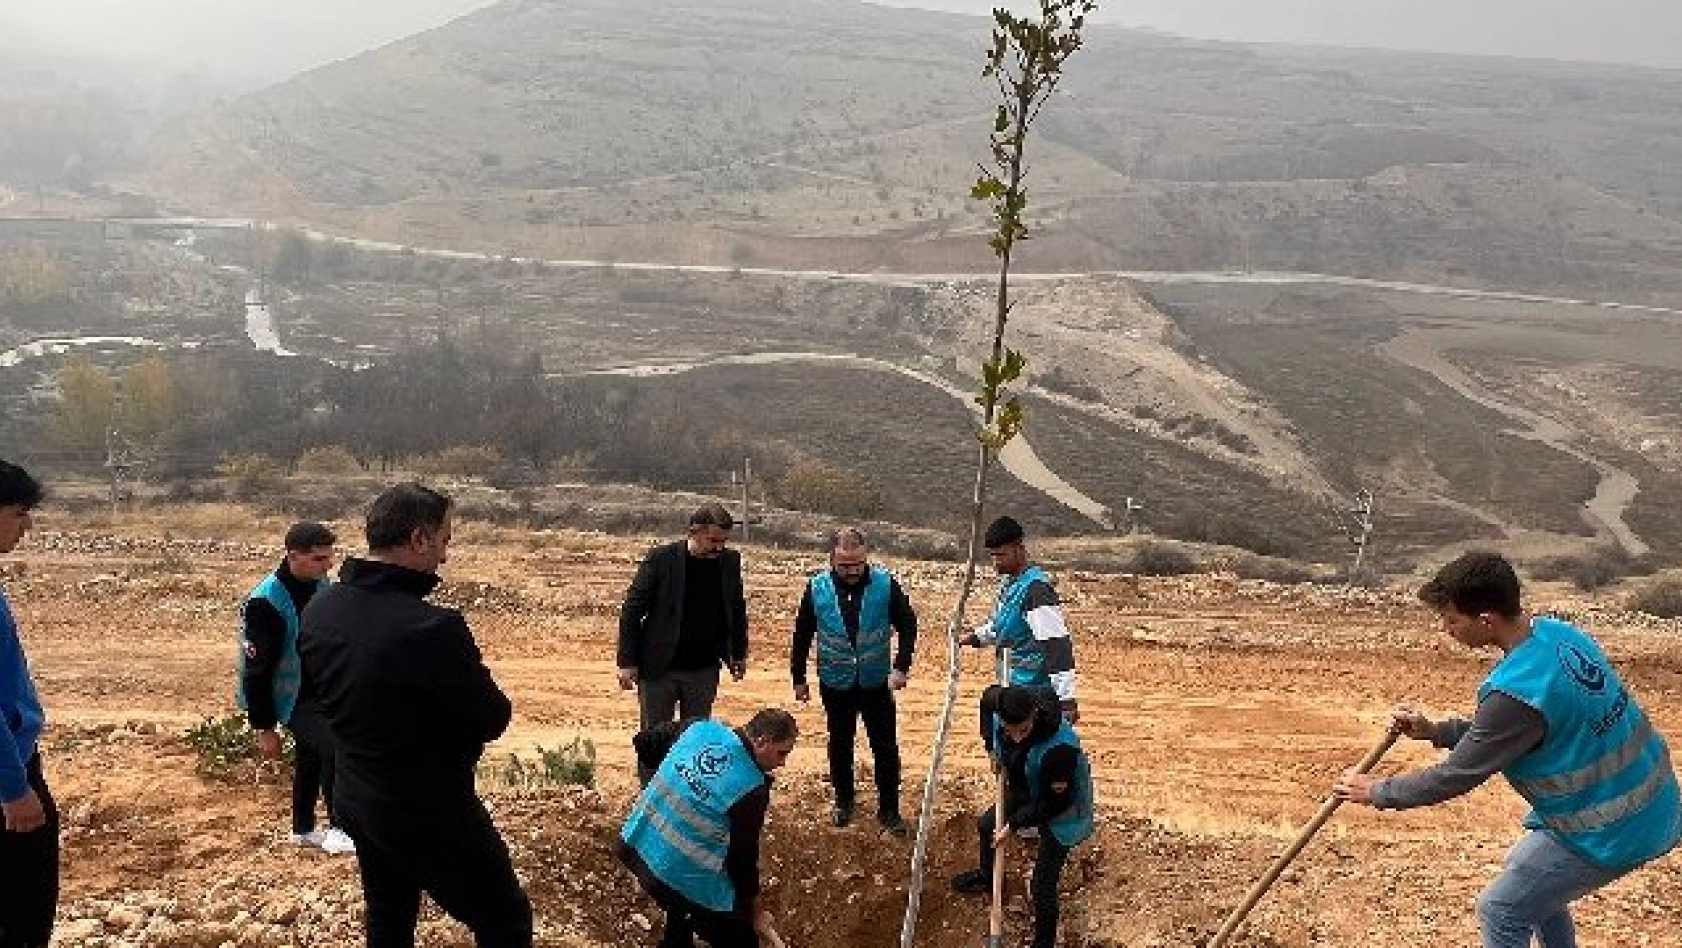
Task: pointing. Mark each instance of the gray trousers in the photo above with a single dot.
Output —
(677, 694)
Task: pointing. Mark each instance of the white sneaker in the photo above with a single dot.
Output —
(311, 838)
(1027, 832)
(337, 841)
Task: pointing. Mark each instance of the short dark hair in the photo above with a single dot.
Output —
(400, 510)
(848, 538)
(712, 515)
(307, 535)
(1475, 583)
(1015, 705)
(1002, 532)
(17, 488)
(773, 724)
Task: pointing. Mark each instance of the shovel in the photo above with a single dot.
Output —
(1272, 874)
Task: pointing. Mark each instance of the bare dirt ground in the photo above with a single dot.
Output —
(1217, 712)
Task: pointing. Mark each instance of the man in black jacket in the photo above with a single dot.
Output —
(412, 706)
(685, 614)
(272, 689)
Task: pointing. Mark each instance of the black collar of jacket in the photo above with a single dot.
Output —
(378, 574)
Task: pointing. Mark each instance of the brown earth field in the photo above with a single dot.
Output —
(1217, 713)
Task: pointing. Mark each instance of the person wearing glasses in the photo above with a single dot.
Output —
(272, 688)
(857, 613)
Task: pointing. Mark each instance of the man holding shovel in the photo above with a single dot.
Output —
(1555, 719)
(1039, 752)
(1027, 621)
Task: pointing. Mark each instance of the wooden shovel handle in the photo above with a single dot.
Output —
(1272, 875)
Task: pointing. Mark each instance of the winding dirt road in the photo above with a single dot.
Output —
(1422, 349)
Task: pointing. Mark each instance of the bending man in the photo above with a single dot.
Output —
(1556, 720)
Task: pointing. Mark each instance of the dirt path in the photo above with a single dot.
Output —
(1422, 349)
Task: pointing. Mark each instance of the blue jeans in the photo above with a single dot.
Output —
(1533, 895)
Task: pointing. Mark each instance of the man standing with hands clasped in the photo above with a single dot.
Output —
(1554, 718)
(853, 610)
(685, 614)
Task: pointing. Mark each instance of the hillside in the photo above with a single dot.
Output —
(836, 134)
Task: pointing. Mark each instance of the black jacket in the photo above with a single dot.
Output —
(408, 695)
(265, 639)
(1058, 769)
(653, 612)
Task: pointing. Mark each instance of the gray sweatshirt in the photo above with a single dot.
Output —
(1502, 730)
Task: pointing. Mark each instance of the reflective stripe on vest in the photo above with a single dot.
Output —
(841, 662)
(680, 824)
(1010, 625)
(289, 672)
(1601, 781)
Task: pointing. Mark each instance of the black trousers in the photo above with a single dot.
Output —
(1048, 869)
(29, 874)
(718, 931)
(843, 707)
(312, 766)
(454, 855)
(685, 920)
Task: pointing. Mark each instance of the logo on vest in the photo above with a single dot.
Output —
(707, 764)
(1585, 671)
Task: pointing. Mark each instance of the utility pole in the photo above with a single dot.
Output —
(1128, 510)
(747, 476)
(118, 462)
(1359, 527)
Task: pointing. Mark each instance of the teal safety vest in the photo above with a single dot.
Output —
(842, 661)
(680, 824)
(1010, 625)
(1601, 781)
(1075, 824)
(289, 674)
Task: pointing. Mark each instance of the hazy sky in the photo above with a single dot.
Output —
(270, 38)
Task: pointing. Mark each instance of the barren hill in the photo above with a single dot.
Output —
(838, 134)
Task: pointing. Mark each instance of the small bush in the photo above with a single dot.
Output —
(1161, 559)
(458, 463)
(824, 488)
(250, 475)
(1599, 568)
(1662, 599)
(227, 745)
(330, 461)
(1272, 570)
(569, 765)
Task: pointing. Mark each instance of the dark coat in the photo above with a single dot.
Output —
(405, 689)
(653, 613)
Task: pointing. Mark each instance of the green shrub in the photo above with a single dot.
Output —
(227, 745)
(567, 765)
